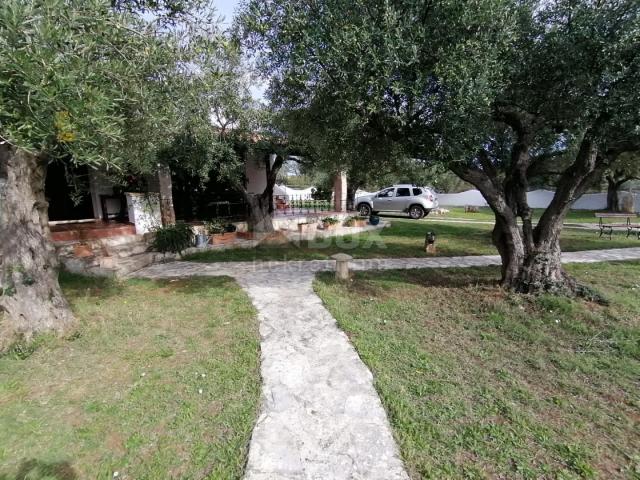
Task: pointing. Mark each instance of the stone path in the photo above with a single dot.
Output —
(321, 417)
(235, 269)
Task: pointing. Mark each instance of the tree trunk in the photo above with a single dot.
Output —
(351, 195)
(260, 218)
(260, 215)
(507, 239)
(542, 270)
(613, 203)
(31, 300)
(167, 212)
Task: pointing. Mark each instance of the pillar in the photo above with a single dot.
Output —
(340, 192)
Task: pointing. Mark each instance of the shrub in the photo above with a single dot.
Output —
(174, 238)
(330, 220)
(214, 226)
(351, 221)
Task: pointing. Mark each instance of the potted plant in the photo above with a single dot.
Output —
(329, 222)
(219, 233)
(173, 238)
(356, 221)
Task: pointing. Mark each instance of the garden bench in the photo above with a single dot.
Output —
(607, 228)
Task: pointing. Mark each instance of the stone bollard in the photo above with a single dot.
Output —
(342, 265)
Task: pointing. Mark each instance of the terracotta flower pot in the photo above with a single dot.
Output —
(223, 238)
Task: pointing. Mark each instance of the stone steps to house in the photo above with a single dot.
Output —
(127, 249)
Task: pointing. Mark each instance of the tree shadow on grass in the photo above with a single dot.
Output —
(75, 285)
(195, 284)
(40, 470)
(426, 277)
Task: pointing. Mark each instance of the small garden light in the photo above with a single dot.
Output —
(430, 242)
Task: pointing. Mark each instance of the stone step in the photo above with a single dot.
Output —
(126, 265)
(122, 240)
(127, 249)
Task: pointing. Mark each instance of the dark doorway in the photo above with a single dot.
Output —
(59, 193)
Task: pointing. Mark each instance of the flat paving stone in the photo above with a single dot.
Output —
(320, 417)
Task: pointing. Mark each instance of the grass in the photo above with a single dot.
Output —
(480, 383)
(160, 381)
(405, 238)
(485, 214)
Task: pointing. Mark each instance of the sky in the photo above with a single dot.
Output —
(226, 9)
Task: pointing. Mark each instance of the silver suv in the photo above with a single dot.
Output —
(416, 201)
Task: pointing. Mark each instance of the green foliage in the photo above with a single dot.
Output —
(86, 80)
(330, 220)
(351, 221)
(214, 227)
(174, 238)
(22, 349)
(506, 94)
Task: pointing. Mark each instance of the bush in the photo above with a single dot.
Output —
(351, 221)
(174, 238)
(329, 220)
(214, 227)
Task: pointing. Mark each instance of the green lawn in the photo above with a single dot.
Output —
(485, 214)
(160, 381)
(405, 238)
(480, 383)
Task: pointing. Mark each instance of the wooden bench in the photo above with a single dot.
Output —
(607, 228)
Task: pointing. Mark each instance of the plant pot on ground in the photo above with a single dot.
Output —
(374, 220)
(329, 223)
(219, 233)
(355, 221)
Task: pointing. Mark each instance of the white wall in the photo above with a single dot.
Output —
(257, 173)
(470, 197)
(536, 199)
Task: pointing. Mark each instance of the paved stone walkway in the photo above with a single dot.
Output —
(235, 269)
(321, 417)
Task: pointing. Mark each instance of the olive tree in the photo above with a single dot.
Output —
(500, 92)
(86, 82)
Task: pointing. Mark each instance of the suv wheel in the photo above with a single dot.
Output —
(364, 209)
(416, 212)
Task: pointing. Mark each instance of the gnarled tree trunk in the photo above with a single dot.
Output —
(531, 265)
(260, 215)
(31, 300)
(507, 238)
(531, 256)
(260, 219)
(613, 203)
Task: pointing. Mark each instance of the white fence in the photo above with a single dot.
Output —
(536, 199)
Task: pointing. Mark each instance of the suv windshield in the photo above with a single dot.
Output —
(386, 193)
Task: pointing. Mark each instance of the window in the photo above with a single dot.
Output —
(386, 193)
(403, 192)
(417, 191)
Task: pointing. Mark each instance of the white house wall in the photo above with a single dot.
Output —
(256, 174)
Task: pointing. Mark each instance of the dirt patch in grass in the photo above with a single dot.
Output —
(481, 383)
(160, 381)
